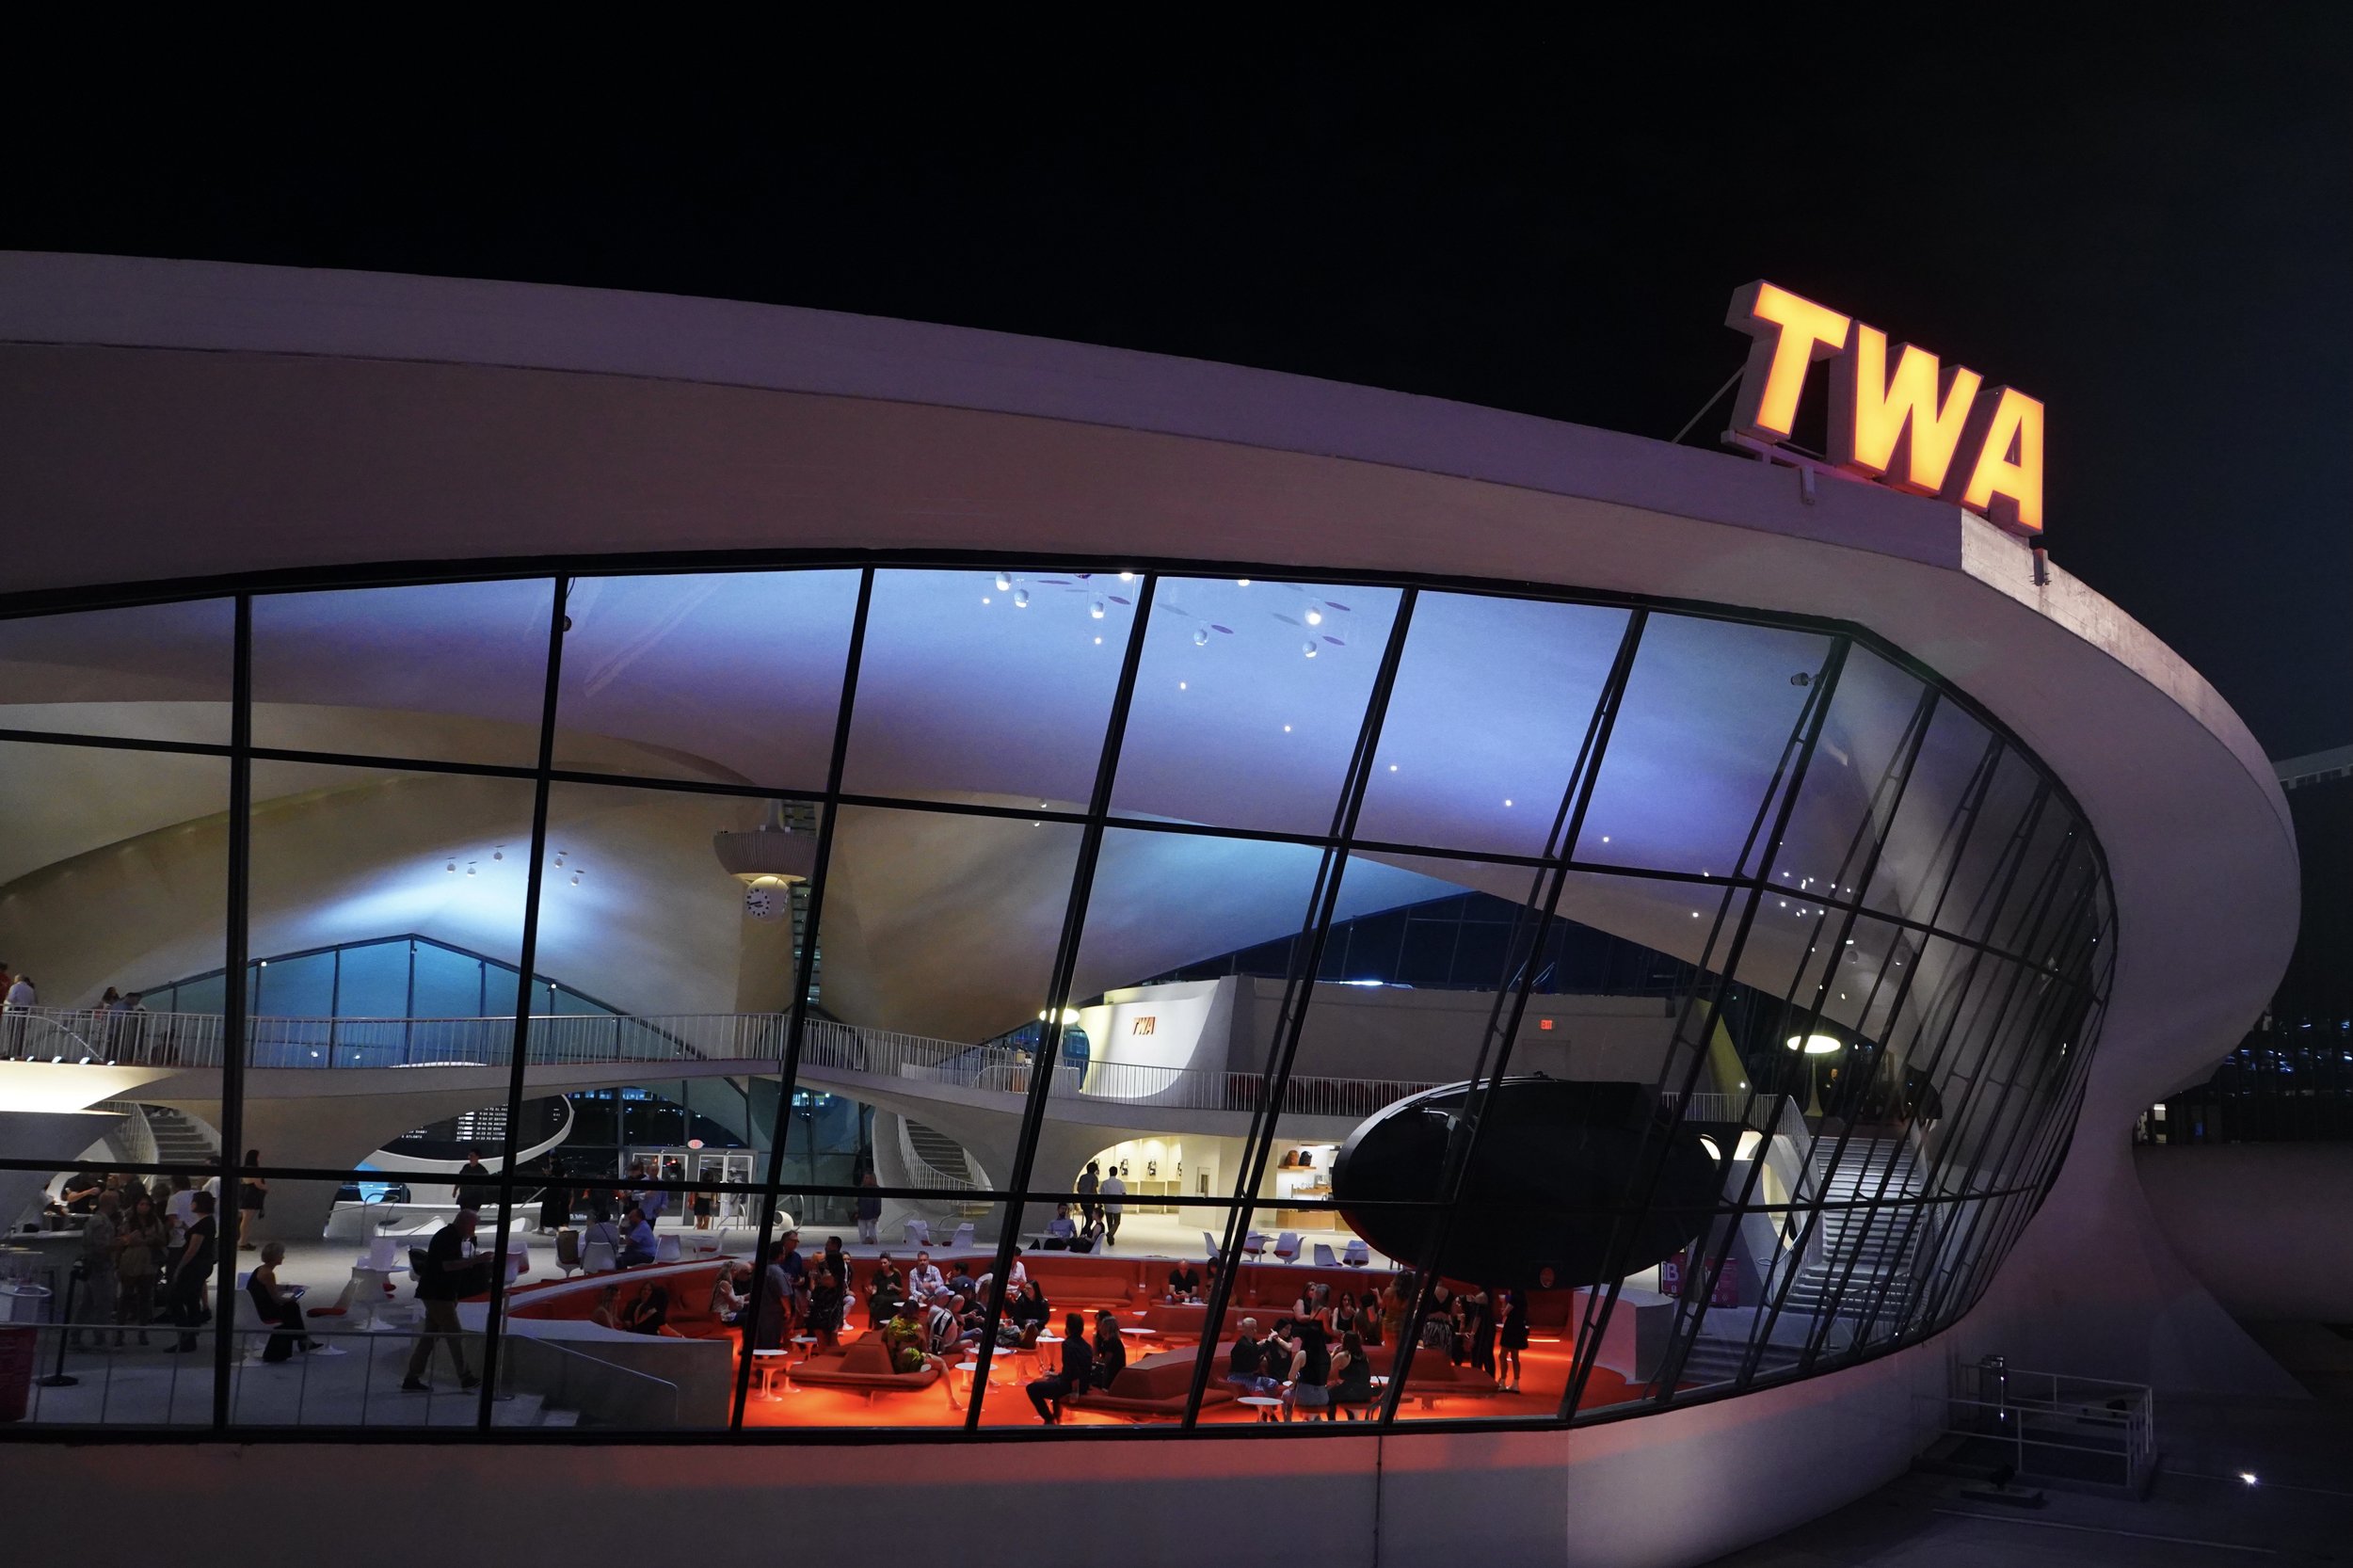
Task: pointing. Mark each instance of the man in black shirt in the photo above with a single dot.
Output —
(1075, 1376)
(451, 1273)
(1184, 1282)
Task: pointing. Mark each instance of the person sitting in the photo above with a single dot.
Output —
(1075, 1376)
(903, 1337)
(278, 1306)
(604, 1230)
(605, 1314)
(1184, 1282)
(943, 1326)
(1031, 1312)
(636, 1240)
(885, 1290)
(923, 1281)
(1060, 1229)
(1245, 1368)
(649, 1313)
(729, 1290)
(960, 1280)
(1110, 1349)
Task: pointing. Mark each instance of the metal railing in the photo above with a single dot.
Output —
(2052, 1426)
(557, 1040)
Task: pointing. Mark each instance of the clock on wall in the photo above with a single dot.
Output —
(763, 903)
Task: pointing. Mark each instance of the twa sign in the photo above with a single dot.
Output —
(1896, 416)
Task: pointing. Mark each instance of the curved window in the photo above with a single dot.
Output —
(1498, 1007)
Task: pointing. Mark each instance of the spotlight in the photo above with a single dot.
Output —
(1004, 581)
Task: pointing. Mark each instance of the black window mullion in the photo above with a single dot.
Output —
(1298, 996)
(796, 1018)
(236, 1022)
(1511, 1005)
(1778, 804)
(1049, 1056)
(519, 1047)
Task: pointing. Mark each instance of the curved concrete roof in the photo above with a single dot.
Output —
(173, 420)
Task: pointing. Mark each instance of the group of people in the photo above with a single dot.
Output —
(116, 1029)
(1298, 1358)
(142, 1247)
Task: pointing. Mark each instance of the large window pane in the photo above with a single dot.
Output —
(725, 676)
(452, 671)
(976, 692)
(1491, 708)
(153, 671)
(1262, 682)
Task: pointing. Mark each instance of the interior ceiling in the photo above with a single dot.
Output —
(974, 686)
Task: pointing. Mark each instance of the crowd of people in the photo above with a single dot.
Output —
(147, 1256)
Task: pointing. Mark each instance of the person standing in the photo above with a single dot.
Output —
(1090, 1183)
(869, 1210)
(451, 1273)
(140, 1243)
(252, 1196)
(471, 1194)
(95, 1269)
(19, 997)
(1479, 1327)
(1075, 1376)
(191, 1269)
(1114, 1193)
(131, 1030)
(1512, 1306)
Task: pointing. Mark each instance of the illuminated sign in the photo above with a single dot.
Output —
(1919, 425)
(1144, 1025)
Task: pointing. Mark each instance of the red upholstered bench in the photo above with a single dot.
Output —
(1430, 1375)
(1177, 1318)
(1155, 1387)
(863, 1364)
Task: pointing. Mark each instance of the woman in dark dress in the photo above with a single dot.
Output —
(1512, 1304)
(555, 1205)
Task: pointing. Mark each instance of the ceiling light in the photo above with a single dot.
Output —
(1242, 581)
(1507, 802)
(1095, 610)
(1816, 1044)
(1180, 685)
(984, 599)
(1393, 767)
(575, 879)
(1605, 837)
(1286, 729)
(559, 858)
(1021, 599)
(1308, 649)
(1200, 636)
(470, 871)
(452, 866)
(1098, 641)
(1004, 581)
(1315, 618)
(1127, 577)
(499, 854)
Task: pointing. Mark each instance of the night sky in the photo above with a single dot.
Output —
(2153, 234)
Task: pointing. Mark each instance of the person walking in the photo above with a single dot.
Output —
(1114, 1193)
(1512, 1303)
(451, 1273)
(1090, 1183)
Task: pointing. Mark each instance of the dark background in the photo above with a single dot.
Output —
(2148, 232)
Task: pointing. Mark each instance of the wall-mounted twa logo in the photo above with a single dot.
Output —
(1924, 427)
(1144, 1025)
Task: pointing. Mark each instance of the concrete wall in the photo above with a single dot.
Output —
(2265, 1226)
(1433, 1036)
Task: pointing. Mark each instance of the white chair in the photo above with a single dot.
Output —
(518, 1258)
(598, 1258)
(383, 1255)
(963, 1238)
(665, 1249)
(1209, 1242)
(919, 1232)
(1287, 1246)
(1253, 1243)
(1356, 1255)
(1324, 1257)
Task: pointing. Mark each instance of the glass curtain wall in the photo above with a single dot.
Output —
(1267, 1005)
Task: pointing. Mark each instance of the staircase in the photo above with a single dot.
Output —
(1861, 1250)
(179, 1139)
(945, 1156)
(1710, 1360)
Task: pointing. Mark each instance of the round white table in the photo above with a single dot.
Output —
(1266, 1405)
(768, 1364)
